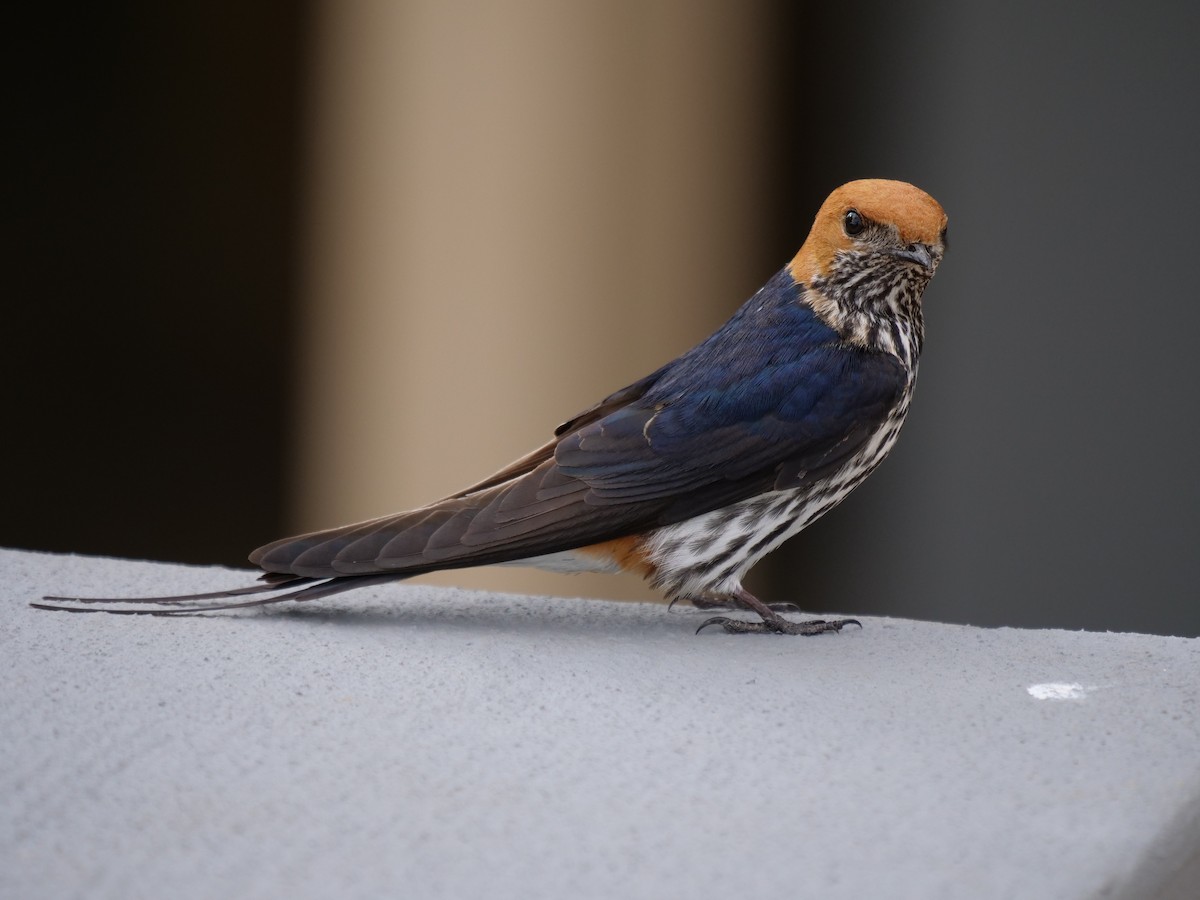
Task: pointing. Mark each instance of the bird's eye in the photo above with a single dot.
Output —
(853, 222)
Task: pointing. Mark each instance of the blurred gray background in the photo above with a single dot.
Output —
(277, 266)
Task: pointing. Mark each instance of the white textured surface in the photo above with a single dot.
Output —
(423, 742)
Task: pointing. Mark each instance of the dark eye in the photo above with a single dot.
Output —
(853, 222)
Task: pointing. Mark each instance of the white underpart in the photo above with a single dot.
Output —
(684, 553)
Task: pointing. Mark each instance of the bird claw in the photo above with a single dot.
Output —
(778, 625)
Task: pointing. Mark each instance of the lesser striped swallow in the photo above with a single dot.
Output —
(690, 475)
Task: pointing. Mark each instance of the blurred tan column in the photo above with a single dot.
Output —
(515, 208)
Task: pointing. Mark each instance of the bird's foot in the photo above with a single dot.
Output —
(771, 621)
(778, 625)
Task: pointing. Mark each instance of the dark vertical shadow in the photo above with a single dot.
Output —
(149, 293)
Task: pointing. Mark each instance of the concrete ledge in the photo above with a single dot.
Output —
(423, 742)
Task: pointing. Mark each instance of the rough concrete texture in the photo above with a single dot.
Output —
(411, 741)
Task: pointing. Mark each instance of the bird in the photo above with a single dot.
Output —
(690, 475)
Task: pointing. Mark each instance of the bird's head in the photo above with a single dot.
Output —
(873, 247)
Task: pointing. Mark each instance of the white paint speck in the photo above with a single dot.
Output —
(1057, 691)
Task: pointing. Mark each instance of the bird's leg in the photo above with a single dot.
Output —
(735, 602)
(772, 622)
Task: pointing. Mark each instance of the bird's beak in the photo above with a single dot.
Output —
(921, 254)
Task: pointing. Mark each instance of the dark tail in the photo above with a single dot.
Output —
(293, 587)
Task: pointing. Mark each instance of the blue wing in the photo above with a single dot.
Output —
(774, 399)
